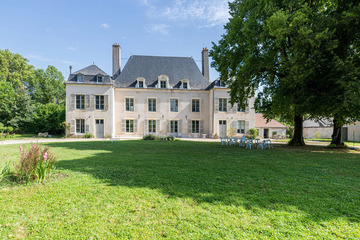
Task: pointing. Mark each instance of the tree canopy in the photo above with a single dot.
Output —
(282, 50)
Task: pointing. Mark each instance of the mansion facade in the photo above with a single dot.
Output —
(153, 95)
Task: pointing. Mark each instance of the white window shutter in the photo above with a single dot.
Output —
(106, 102)
(92, 102)
(216, 104)
(168, 127)
(123, 125)
(135, 125)
(189, 126)
(247, 127)
(228, 106)
(158, 127)
(87, 128)
(145, 127)
(180, 126)
(87, 101)
(201, 127)
(72, 101)
(72, 126)
(202, 101)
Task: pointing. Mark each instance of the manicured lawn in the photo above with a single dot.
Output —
(187, 190)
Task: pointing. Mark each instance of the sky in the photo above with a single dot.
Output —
(81, 32)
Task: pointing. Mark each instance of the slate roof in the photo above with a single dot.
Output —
(260, 122)
(323, 122)
(150, 67)
(90, 73)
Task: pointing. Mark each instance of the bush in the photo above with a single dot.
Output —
(290, 132)
(48, 118)
(253, 133)
(317, 135)
(35, 164)
(159, 138)
(88, 135)
(149, 137)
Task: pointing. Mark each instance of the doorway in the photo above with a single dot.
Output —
(222, 128)
(99, 127)
(266, 133)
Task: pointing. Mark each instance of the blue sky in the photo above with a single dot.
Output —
(78, 33)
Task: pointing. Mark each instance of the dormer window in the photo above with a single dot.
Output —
(140, 82)
(185, 84)
(222, 83)
(99, 79)
(80, 78)
(163, 82)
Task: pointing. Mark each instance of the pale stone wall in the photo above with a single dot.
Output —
(279, 132)
(163, 113)
(325, 132)
(232, 115)
(87, 114)
(353, 130)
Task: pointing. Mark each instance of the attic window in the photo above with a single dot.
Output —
(80, 78)
(222, 83)
(99, 79)
(185, 84)
(163, 84)
(141, 84)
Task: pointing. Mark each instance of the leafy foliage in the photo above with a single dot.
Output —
(48, 118)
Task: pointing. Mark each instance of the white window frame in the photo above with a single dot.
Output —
(140, 80)
(176, 107)
(196, 124)
(99, 79)
(163, 78)
(150, 107)
(80, 78)
(174, 126)
(240, 126)
(81, 99)
(185, 81)
(131, 107)
(98, 100)
(223, 104)
(151, 126)
(128, 128)
(193, 107)
(80, 126)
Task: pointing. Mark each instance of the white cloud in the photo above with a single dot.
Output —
(158, 28)
(208, 13)
(71, 48)
(105, 25)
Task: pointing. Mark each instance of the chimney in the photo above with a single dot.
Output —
(205, 64)
(70, 69)
(116, 60)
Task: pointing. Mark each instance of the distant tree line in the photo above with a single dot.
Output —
(302, 57)
(31, 100)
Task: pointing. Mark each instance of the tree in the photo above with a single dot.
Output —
(281, 49)
(49, 86)
(16, 77)
(49, 118)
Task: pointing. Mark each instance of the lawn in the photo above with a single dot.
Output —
(186, 190)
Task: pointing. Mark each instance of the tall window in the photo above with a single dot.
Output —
(240, 109)
(80, 101)
(195, 105)
(173, 105)
(195, 126)
(141, 84)
(80, 125)
(99, 102)
(152, 126)
(129, 102)
(162, 84)
(174, 126)
(240, 127)
(222, 104)
(80, 78)
(152, 104)
(130, 126)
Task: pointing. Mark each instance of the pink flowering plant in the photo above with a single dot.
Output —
(35, 164)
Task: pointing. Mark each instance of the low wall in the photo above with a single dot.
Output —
(325, 132)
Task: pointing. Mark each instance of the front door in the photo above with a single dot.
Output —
(222, 128)
(266, 133)
(99, 126)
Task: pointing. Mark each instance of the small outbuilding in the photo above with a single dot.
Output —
(322, 128)
(270, 129)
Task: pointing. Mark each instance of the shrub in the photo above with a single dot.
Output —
(290, 131)
(216, 136)
(253, 133)
(88, 135)
(159, 138)
(149, 137)
(317, 135)
(35, 164)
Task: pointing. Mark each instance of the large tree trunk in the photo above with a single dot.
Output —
(336, 136)
(298, 139)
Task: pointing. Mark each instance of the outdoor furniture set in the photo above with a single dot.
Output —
(247, 143)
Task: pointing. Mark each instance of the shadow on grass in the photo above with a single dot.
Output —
(323, 185)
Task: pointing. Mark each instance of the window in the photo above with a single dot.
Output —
(99, 121)
(99, 102)
(195, 105)
(129, 126)
(80, 125)
(195, 126)
(240, 109)
(222, 83)
(141, 84)
(173, 105)
(80, 78)
(222, 104)
(240, 127)
(129, 102)
(174, 126)
(185, 85)
(152, 104)
(162, 84)
(152, 126)
(99, 79)
(80, 101)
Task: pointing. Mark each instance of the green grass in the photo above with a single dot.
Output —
(28, 136)
(187, 190)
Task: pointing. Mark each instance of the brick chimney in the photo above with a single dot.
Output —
(205, 64)
(116, 60)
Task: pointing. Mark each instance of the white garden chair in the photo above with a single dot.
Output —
(242, 141)
(249, 143)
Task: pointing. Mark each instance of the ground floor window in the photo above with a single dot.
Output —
(80, 125)
(174, 126)
(130, 126)
(195, 126)
(152, 126)
(240, 126)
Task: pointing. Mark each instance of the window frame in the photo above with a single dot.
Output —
(195, 107)
(129, 105)
(223, 104)
(129, 126)
(176, 107)
(80, 125)
(174, 126)
(240, 126)
(98, 104)
(80, 101)
(80, 78)
(151, 126)
(152, 104)
(99, 77)
(195, 126)
(163, 84)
